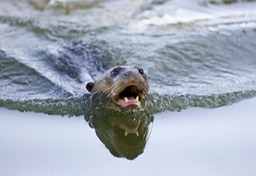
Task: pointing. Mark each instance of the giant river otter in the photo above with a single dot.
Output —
(127, 86)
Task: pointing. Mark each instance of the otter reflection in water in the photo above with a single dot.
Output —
(117, 115)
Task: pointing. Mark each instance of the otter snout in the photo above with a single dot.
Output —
(128, 73)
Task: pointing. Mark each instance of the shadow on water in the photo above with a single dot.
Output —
(123, 132)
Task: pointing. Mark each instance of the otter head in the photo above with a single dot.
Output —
(127, 86)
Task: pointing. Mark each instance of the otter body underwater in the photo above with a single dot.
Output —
(126, 86)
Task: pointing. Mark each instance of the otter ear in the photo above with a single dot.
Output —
(89, 86)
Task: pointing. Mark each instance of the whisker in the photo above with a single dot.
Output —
(103, 95)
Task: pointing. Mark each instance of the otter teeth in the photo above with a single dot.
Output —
(126, 133)
(137, 133)
(126, 99)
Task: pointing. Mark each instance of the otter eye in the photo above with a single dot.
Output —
(141, 71)
(115, 72)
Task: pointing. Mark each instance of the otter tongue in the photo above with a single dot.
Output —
(129, 102)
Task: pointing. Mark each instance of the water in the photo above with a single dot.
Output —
(196, 53)
(51, 50)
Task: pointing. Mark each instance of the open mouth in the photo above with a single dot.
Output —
(130, 97)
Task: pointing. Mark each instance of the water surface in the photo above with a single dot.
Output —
(51, 49)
